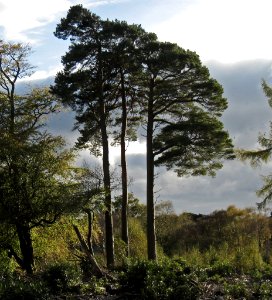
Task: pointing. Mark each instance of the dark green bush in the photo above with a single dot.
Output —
(61, 278)
(15, 287)
(238, 290)
(133, 280)
(265, 289)
(220, 268)
(164, 280)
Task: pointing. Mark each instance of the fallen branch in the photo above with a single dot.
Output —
(97, 270)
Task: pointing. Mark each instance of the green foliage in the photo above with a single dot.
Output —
(120, 251)
(193, 145)
(220, 268)
(54, 244)
(238, 290)
(95, 286)
(163, 280)
(61, 278)
(7, 265)
(15, 287)
(37, 180)
(106, 51)
(249, 258)
(138, 243)
(265, 289)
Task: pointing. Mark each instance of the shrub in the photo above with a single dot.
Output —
(138, 241)
(221, 268)
(265, 289)
(61, 278)
(164, 280)
(194, 257)
(15, 287)
(238, 290)
(249, 258)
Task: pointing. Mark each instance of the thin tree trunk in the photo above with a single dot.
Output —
(12, 109)
(108, 204)
(90, 215)
(124, 217)
(109, 239)
(151, 236)
(97, 270)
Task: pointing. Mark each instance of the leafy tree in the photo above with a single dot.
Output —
(262, 155)
(181, 108)
(36, 178)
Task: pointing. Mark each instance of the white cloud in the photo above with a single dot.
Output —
(102, 2)
(132, 148)
(16, 17)
(225, 30)
(43, 74)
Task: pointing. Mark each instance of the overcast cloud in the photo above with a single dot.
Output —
(248, 115)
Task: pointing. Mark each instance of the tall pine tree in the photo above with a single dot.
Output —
(181, 105)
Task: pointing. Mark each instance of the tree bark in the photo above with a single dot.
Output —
(109, 239)
(90, 215)
(97, 270)
(151, 236)
(12, 108)
(24, 236)
(124, 214)
(109, 243)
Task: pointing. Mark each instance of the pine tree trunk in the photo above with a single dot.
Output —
(151, 236)
(124, 217)
(109, 239)
(107, 186)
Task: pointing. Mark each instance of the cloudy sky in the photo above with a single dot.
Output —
(232, 37)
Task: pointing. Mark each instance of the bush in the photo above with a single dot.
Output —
(221, 268)
(138, 241)
(15, 287)
(194, 257)
(61, 278)
(265, 289)
(248, 259)
(238, 290)
(164, 280)
(133, 280)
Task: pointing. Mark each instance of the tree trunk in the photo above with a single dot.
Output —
(24, 235)
(107, 186)
(12, 109)
(124, 217)
(151, 236)
(90, 215)
(109, 239)
(97, 270)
